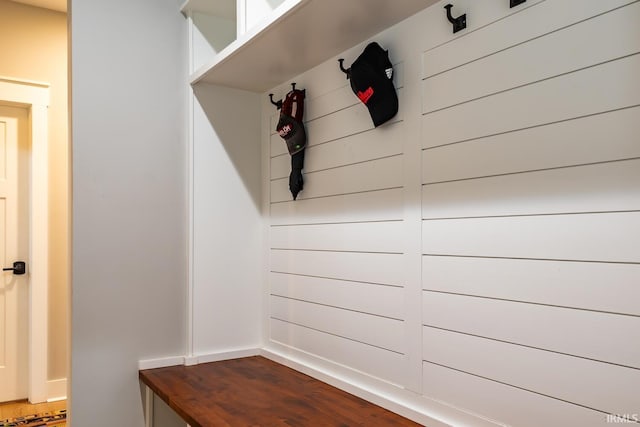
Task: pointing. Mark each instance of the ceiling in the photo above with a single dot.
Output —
(59, 5)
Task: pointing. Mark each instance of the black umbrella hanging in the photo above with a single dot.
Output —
(291, 129)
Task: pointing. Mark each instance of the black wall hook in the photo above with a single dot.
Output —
(344, 70)
(459, 23)
(293, 86)
(514, 3)
(277, 104)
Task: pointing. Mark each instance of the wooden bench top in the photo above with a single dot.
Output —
(255, 391)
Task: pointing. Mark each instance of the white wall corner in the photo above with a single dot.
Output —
(190, 360)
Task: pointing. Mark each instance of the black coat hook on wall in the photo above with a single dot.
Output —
(514, 3)
(459, 23)
(293, 86)
(277, 104)
(344, 70)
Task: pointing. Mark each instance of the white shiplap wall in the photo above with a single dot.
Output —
(336, 276)
(484, 241)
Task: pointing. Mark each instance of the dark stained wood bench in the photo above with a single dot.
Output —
(255, 391)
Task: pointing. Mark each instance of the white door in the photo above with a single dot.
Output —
(14, 241)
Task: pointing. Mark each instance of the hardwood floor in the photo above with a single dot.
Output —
(23, 408)
(255, 391)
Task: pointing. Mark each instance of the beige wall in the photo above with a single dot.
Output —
(33, 42)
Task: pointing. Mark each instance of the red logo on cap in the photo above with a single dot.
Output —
(284, 131)
(364, 96)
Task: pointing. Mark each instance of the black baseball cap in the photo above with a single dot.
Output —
(371, 78)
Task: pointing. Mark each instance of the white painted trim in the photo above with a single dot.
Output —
(190, 360)
(197, 359)
(22, 88)
(228, 355)
(190, 201)
(57, 390)
(160, 363)
(35, 97)
(241, 18)
(148, 407)
(401, 401)
(266, 226)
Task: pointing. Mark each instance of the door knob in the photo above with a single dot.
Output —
(19, 267)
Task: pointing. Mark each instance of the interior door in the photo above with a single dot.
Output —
(14, 206)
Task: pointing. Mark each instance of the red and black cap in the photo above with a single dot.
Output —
(290, 126)
(371, 78)
(292, 131)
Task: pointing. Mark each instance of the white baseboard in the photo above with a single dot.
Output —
(197, 359)
(56, 390)
(227, 355)
(404, 402)
(160, 363)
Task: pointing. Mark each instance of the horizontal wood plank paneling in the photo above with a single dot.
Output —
(374, 175)
(337, 279)
(599, 336)
(273, 123)
(349, 121)
(385, 237)
(365, 358)
(531, 214)
(360, 267)
(369, 329)
(327, 89)
(593, 188)
(610, 237)
(545, 17)
(381, 300)
(526, 125)
(437, 32)
(603, 137)
(510, 405)
(358, 148)
(330, 102)
(277, 145)
(593, 286)
(602, 386)
(343, 97)
(382, 205)
(564, 97)
(594, 41)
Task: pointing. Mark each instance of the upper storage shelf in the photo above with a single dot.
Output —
(298, 35)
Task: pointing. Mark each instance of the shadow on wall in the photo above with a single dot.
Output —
(235, 118)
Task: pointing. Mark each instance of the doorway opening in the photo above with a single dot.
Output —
(34, 42)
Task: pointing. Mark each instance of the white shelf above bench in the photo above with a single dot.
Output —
(299, 35)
